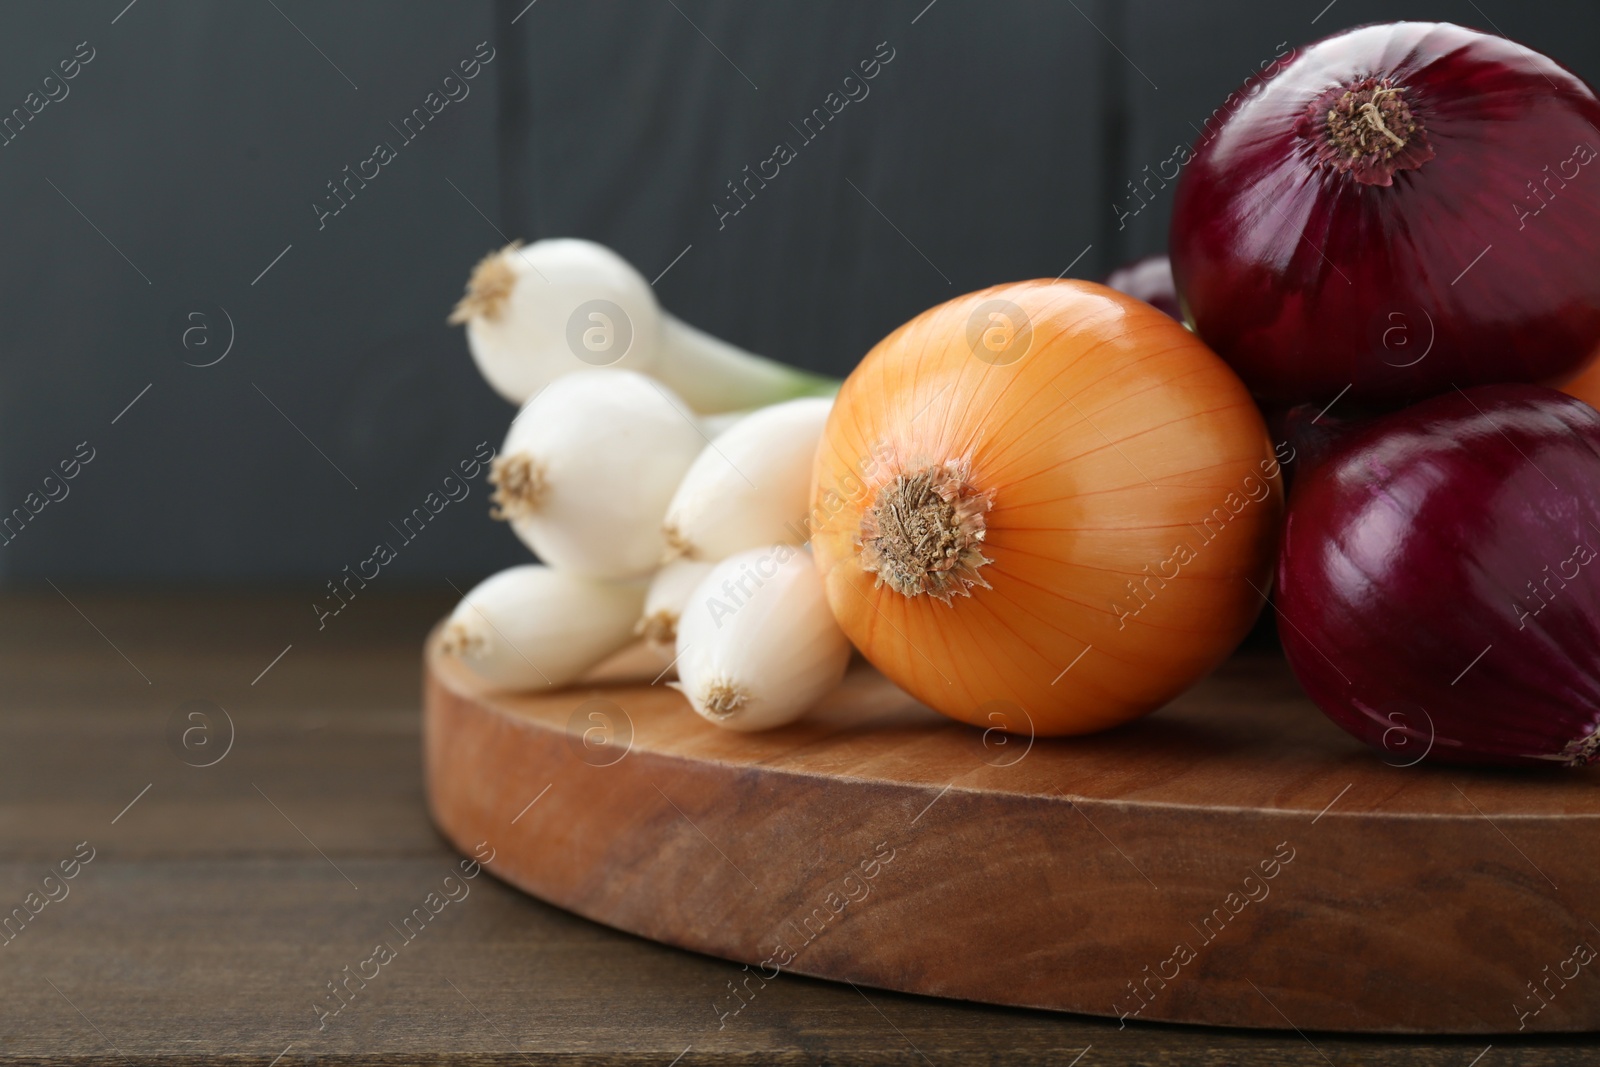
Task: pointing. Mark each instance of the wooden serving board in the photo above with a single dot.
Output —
(1234, 859)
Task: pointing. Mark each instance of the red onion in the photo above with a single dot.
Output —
(1401, 209)
(1439, 582)
(1150, 280)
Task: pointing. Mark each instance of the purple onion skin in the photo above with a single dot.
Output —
(1423, 539)
(1307, 277)
(1150, 280)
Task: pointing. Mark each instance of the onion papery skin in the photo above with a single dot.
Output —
(1103, 437)
(1150, 280)
(1404, 580)
(1307, 279)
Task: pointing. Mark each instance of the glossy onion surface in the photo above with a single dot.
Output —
(1045, 507)
(1439, 580)
(1469, 255)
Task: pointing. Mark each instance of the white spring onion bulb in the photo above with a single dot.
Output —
(757, 644)
(718, 423)
(588, 468)
(534, 313)
(663, 604)
(752, 487)
(531, 627)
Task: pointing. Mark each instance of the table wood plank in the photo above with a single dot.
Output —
(207, 925)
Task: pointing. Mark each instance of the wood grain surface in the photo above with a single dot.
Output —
(216, 908)
(1234, 859)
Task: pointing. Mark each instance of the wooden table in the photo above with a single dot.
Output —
(221, 900)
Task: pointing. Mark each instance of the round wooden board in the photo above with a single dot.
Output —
(1234, 859)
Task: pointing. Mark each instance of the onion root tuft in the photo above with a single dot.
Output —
(519, 486)
(924, 533)
(461, 641)
(659, 628)
(724, 698)
(489, 288)
(1368, 130)
(1582, 751)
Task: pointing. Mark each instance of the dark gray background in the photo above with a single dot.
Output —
(997, 141)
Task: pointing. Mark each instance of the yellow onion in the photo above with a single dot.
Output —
(1046, 500)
